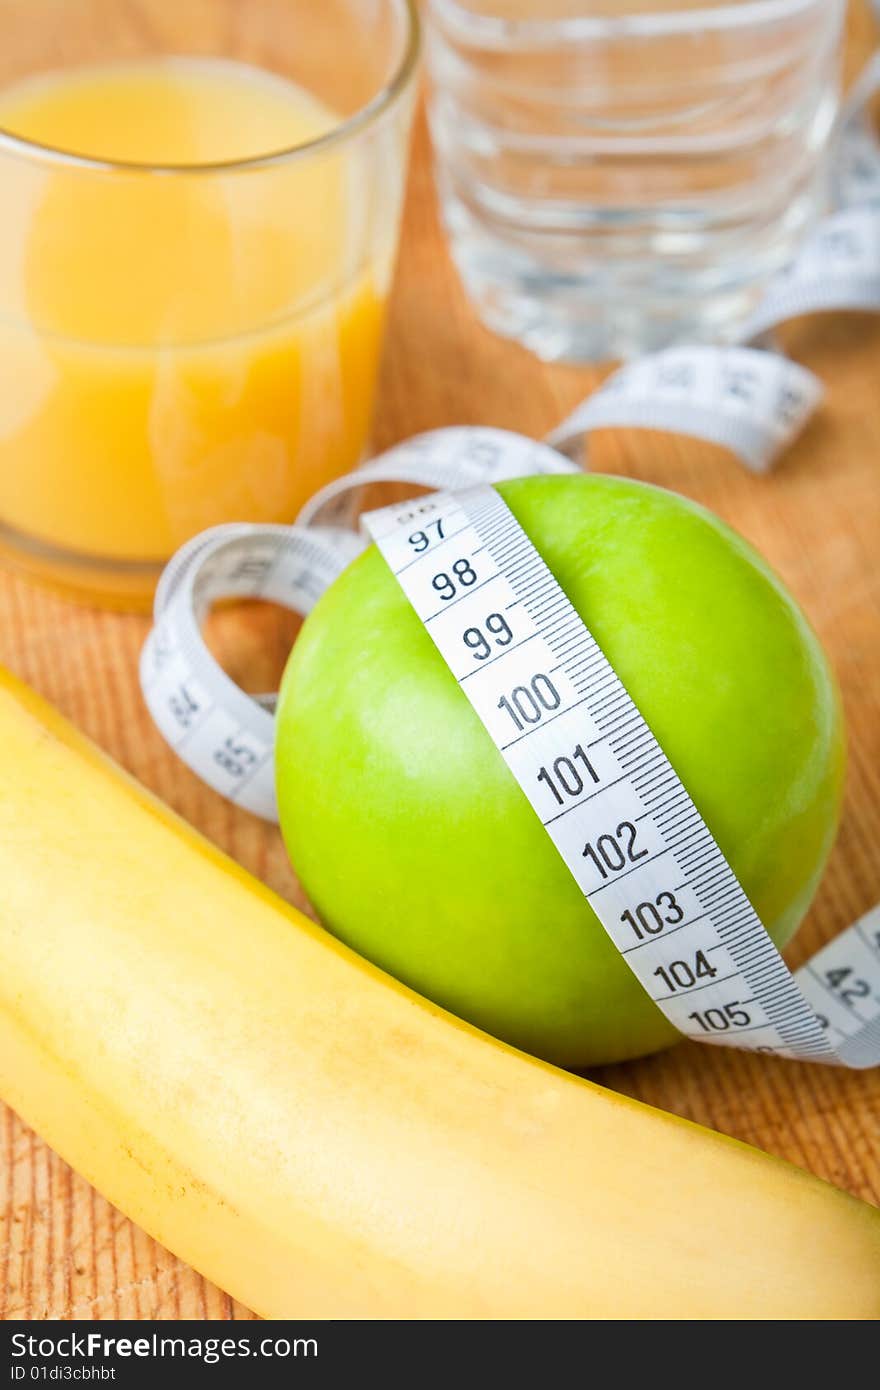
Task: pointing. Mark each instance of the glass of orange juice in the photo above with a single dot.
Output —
(199, 208)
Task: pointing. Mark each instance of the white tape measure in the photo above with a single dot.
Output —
(610, 800)
(632, 838)
(673, 906)
(224, 735)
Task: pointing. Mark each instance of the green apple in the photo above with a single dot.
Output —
(418, 848)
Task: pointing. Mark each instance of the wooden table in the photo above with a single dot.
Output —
(64, 1252)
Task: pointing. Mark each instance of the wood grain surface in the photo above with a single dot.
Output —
(66, 1253)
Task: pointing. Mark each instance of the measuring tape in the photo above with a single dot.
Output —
(224, 735)
(608, 797)
(631, 837)
(634, 841)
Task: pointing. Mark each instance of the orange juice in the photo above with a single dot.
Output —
(184, 340)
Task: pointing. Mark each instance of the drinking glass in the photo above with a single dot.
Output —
(200, 217)
(620, 175)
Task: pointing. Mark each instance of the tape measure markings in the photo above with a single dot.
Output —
(209, 721)
(837, 269)
(222, 733)
(752, 402)
(454, 457)
(608, 729)
(631, 837)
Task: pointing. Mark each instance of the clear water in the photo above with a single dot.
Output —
(613, 182)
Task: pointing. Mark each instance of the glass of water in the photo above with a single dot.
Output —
(620, 175)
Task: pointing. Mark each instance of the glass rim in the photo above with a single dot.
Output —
(642, 23)
(363, 118)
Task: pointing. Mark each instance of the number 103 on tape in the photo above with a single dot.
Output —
(608, 797)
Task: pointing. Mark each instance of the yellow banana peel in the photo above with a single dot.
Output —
(322, 1142)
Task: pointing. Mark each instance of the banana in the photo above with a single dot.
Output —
(322, 1142)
